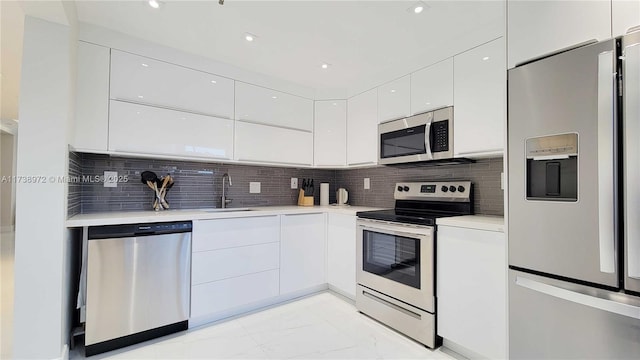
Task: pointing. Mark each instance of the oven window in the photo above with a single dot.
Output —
(403, 142)
(393, 257)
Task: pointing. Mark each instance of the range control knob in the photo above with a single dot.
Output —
(452, 188)
(406, 188)
(399, 188)
(444, 188)
(461, 188)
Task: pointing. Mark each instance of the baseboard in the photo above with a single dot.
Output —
(458, 351)
(64, 355)
(343, 294)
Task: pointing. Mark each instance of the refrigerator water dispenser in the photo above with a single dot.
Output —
(552, 167)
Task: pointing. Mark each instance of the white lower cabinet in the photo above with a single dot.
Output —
(150, 130)
(302, 252)
(264, 143)
(471, 290)
(218, 296)
(234, 263)
(341, 253)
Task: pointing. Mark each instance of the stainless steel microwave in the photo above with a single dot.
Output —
(422, 137)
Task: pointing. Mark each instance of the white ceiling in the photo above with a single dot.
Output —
(366, 42)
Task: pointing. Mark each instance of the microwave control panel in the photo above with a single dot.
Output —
(440, 132)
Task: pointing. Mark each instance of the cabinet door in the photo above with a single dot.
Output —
(394, 99)
(341, 253)
(263, 143)
(151, 130)
(480, 101)
(302, 252)
(537, 28)
(92, 99)
(147, 81)
(625, 14)
(362, 129)
(330, 133)
(432, 87)
(266, 106)
(472, 290)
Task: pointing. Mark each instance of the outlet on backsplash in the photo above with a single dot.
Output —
(367, 183)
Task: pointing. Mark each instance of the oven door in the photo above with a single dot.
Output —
(397, 260)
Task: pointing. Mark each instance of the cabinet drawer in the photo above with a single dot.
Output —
(151, 130)
(229, 233)
(148, 81)
(226, 294)
(216, 265)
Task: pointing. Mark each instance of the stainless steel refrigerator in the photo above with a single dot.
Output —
(574, 203)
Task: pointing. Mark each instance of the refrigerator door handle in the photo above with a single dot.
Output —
(579, 298)
(606, 161)
(631, 61)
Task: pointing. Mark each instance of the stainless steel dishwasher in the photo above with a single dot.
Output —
(138, 283)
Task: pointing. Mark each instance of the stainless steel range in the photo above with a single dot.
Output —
(396, 256)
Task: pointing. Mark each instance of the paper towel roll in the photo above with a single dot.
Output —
(324, 194)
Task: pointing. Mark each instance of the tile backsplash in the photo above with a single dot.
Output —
(199, 185)
(196, 184)
(485, 175)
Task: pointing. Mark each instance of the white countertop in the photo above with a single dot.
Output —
(133, 217)
(478, 222)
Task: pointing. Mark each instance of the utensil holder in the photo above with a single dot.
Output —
(304, 200)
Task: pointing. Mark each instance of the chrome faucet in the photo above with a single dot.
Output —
(225, 201)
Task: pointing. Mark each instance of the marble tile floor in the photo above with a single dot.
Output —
(321, 326)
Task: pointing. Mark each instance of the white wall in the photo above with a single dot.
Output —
(40, 317)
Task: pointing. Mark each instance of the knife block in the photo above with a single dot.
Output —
(304, 200)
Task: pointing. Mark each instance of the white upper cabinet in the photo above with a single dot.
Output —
(394, 99)
(625, 15)
(330, 133)
(362, 129)
(261, 105)
(537, 28)
(143, 80)
(150, 130)
(270, 144)
(480, 101)
(92, 99)
(432, 87)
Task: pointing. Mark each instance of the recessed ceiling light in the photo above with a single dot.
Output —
(485, 58)
(140, 96)
(335, 104)
(393, 90)
(274, 97)
(418, 7)
(249, 37)
(145, 65)
(325, 66)
(154, 3)
(214, 82)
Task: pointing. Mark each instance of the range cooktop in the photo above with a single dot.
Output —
(421, 203)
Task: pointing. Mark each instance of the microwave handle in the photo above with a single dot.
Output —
(427, 140)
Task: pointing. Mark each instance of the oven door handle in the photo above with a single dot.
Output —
(391, 230)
